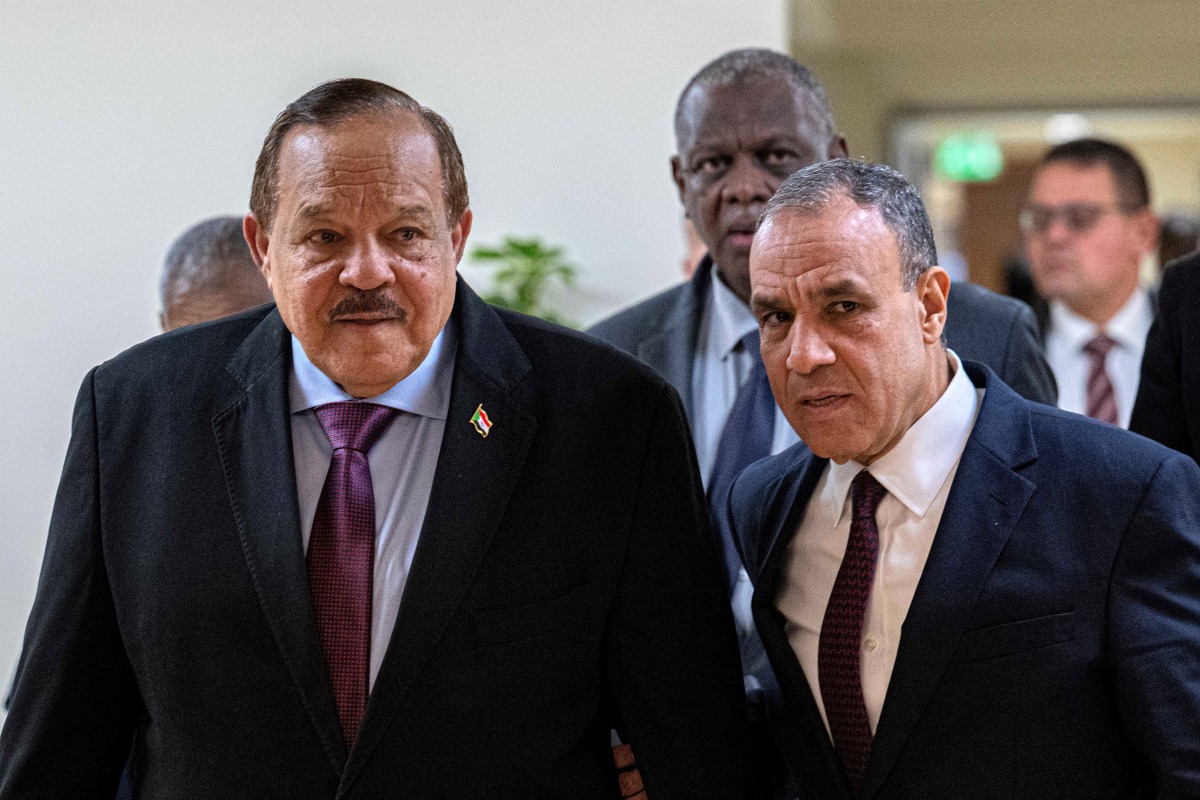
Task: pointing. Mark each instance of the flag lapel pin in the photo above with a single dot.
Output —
(481, 422)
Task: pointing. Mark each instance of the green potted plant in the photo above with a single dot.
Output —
(523, 270)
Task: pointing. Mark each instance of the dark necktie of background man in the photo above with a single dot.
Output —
(341, 555)
(747, 436)
(1101, 400)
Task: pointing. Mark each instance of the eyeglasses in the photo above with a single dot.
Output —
(1078, 217)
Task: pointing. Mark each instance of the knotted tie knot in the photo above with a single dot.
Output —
(1098, 346)
(865, 496)
(354, 426)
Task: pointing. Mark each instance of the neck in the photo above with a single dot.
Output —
(1100, 311)
(937, 380)
(742, 291)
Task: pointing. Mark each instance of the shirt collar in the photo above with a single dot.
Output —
(425, 392)
(916, 468)
(1128, 327)
(731, 318)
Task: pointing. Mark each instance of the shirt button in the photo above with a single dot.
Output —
(870, 645)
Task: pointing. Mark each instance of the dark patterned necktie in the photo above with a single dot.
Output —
(1101, 401)
(341, 555)
(839, 652)
(746, 437)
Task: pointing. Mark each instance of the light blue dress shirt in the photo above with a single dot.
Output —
(402, 463)
(718, 371)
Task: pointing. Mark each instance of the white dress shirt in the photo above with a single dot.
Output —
(718, 371)
(402, 464)
(917, 474)
(1066, 335)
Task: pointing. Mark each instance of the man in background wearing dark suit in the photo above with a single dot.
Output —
(744, 123)
(381, 540)
(1087, 225)
(1168, 397)
(962, 593)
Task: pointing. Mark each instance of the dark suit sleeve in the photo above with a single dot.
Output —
(71, 722)
(1154, 627)
(1159, 411)
(674, 669)
(743, 516)
(1025, 368)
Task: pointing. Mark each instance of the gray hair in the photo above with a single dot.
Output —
(335, 101)
(876, 186)
(738, 66)
(210, 258)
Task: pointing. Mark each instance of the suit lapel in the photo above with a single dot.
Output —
(471, 486)
(985, 502)
(796, 718)
(673, 350)
(254, 438)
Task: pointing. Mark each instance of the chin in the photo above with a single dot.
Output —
(833, 447)
(369, 379)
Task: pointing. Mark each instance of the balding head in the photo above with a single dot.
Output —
(209, 273)
(748, 64)
(744, 123)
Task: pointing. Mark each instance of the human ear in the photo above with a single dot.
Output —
(933, 289)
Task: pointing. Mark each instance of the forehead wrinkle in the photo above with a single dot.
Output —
(833, 287)
(753, 136)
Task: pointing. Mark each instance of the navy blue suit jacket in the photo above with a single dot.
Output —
(1052, 648)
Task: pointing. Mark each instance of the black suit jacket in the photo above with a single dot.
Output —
(564, 578)
(1053, 642)
(980, 325)
(1167, 408)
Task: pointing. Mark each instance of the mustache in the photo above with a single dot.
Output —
(372, 302)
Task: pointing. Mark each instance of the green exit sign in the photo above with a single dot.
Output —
(968, 157)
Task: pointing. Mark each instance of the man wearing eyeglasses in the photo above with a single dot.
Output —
(1087, 226)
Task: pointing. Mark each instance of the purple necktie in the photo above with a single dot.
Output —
(839, 651)
(1101, 401)
(341, 555)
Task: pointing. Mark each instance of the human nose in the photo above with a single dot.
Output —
(746, 183)
(1058, 228)
(367, 267)
(807, 349)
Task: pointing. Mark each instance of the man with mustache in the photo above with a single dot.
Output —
(377, 540)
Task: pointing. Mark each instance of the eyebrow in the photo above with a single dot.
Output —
(310, 211)
(313, 211)
(836, 289)
(761, 303)
(415, 210)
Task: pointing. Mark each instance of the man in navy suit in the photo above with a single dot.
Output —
(962, 593)
(335, 548)
(743, 123)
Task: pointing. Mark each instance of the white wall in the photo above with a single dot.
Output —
(122, 123)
